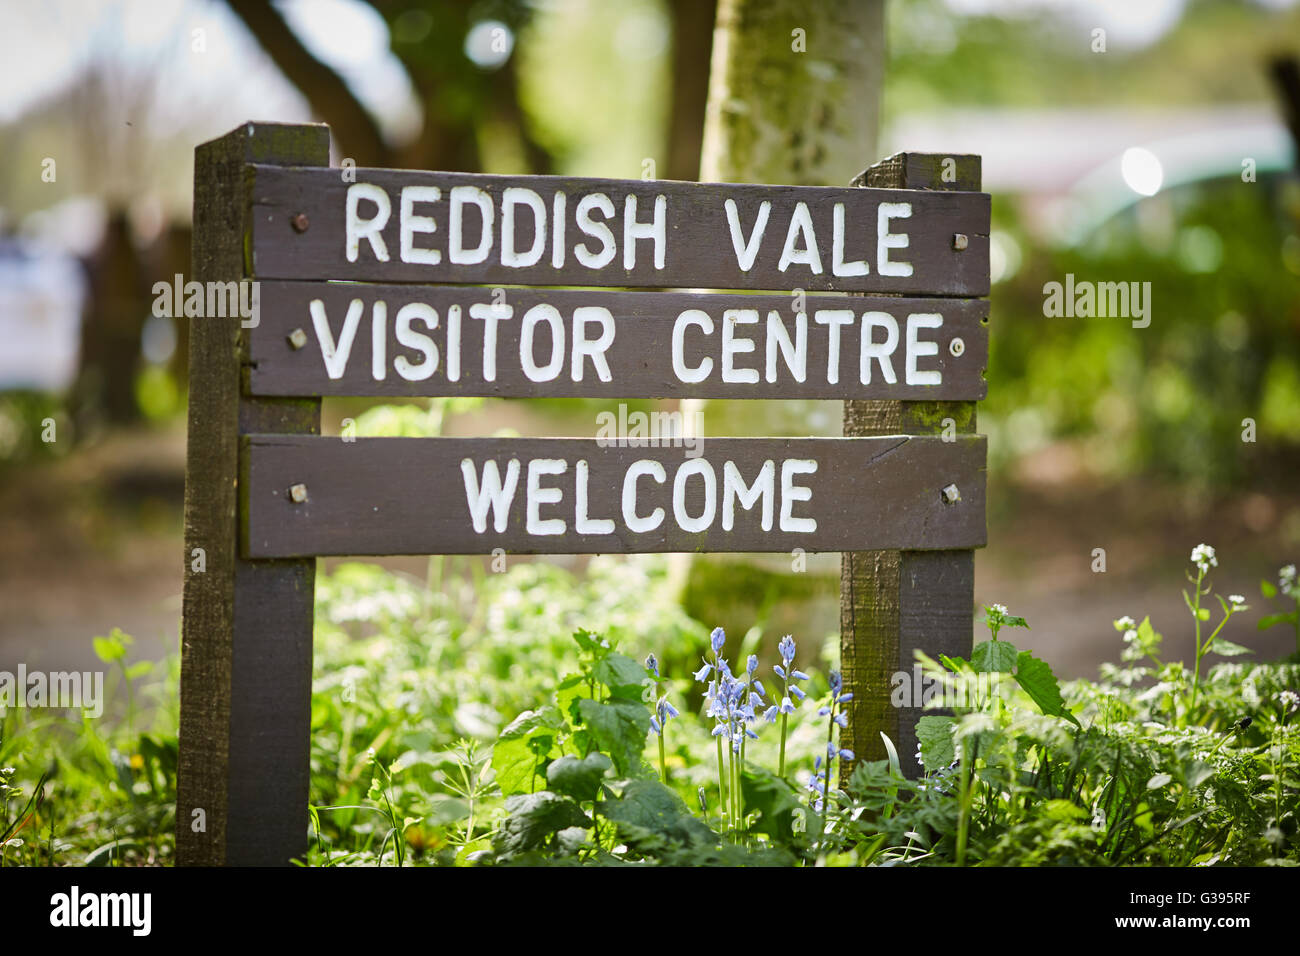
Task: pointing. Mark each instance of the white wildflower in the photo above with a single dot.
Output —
(1237, 601)
(1125, 623)
(1289, 700)
(1203, 557)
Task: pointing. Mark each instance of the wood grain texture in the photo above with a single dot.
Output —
(895, 602)
(640, 358)
(246, 628)
(409, 495)
(699, 251)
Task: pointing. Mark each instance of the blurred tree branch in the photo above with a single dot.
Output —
(325, 90)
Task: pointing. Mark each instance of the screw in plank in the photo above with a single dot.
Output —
(951, 494)
(300, 222)
(959, 241)
(956, 346)
(297, 338)
(298, 494)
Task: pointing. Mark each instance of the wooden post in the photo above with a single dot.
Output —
(895, 602)
(246, 638)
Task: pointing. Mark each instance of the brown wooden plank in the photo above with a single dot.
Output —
(300, 214)
(245, 691)
(411, 495)
(288, 351)
(894, 602)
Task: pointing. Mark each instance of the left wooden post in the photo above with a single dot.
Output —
(246, 632)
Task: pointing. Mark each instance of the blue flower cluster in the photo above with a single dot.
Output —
(731, 701)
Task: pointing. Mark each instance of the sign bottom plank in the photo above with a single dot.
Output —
(313, 495)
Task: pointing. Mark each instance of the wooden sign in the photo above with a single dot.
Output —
(405, 226)
(324, 496)
(398, 283)
(317, 338)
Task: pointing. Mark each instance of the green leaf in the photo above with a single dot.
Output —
(591, 643)
(571, 689)
(109, 853)
(953, 664)
(935, 736)
(524, 748)
(1158, 781)
(1267, 589)
(648, 808)
(138, 669)
(993, 657)
(623, 676)
(444, 809)
(1203, 613)
(619, 728)
(533, 817)
(1268, 620)
(113, 647)
(1041, 685)
(773, 799)
(1229, 649)
(576, 778)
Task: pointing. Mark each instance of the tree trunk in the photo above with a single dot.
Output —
(794, 98)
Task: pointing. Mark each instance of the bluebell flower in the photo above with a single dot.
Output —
(787, 707)
(770, 714)
(651, 664)
(786, 649)
(751, 665)
(717, 639)
(703, 672)
(798, 692)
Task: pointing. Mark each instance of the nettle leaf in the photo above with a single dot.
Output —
(1267, 589)
(533, 817)
(591, 643)
(1041, 685)
(525, 748)
(1229, 649)
(935, 737)
(623, 676)
(619, 728)
(648, 808)
(576, 778)
(571, 689)
(991, 657)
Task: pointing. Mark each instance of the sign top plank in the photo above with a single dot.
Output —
(432, 227)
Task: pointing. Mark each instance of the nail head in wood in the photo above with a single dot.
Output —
(297, 338)
(300, 222)
(951, 494)
(298, 494)
(960, 241)
(956, 346)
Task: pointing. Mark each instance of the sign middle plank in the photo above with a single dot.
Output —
(319, 338)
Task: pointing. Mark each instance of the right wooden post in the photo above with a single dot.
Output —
(894, 602)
